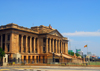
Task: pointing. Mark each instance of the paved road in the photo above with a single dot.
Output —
(48, 68)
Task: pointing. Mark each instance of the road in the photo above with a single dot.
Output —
(48, 68)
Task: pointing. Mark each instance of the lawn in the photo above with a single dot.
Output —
(94, 63)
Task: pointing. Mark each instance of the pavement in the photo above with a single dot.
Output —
(48, 68)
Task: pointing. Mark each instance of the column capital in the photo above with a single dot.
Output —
(52, 38)
(26, 36)
(30, 36)
(21, 34)
(56, 40)
(47, 37)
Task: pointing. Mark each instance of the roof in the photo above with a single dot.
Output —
(63, 55)
(36, 29)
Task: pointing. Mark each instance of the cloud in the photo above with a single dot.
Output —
(82, 33)
(70, 39)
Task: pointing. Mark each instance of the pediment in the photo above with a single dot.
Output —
(56, 33)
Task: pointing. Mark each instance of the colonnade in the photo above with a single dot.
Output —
(5, 42)
(28, 44)
(55, 45)
(34, 59)
(1, 41)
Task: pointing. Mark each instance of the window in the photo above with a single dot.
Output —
(8, 48)
(8, 37)
(5, 59)
(44, 40)
(18, 60)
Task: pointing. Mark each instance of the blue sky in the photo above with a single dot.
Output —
(79, 20)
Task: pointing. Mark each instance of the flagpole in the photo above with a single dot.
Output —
(87, 52)
(87, 49)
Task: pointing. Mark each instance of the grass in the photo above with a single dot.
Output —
(83, 64)
(94, 63)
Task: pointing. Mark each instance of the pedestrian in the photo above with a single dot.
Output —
(33, 61)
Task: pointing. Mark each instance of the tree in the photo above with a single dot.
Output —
(71, 53)
(2, 53)
(77, 54)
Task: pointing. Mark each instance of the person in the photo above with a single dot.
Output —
(25, 62)
(33, 61)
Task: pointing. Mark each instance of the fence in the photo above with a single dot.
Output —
(38, 61)
(51, 61)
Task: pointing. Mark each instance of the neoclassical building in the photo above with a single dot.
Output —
(36, 44)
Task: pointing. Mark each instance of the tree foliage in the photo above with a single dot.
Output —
(71, 53)
(2, 53)
(77, 54)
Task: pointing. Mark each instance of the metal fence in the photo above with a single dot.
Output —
(38, 61)
(53, 61)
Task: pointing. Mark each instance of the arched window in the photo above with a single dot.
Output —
(14, 60)
(18, 60)
(5, 59)
(8, 48)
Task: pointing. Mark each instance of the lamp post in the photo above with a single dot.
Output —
(70, 49)
(53, 57)
(82, 56)
(61, 57)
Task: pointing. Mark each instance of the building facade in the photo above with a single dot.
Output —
(77, 50)
(35, 43)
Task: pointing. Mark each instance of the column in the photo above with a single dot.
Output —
(11, 56)
(53, 45)
(66, 48)
(34, 59)
(59, 46)
(50, 45)
(37, 45)
(5, 42)
(62, 47)
(26, 44)
(1, 41)
(41, 59)
(11, 47)
(21, 43)
(46, 45)
(18, 44)
(26, 58)
(31, 59)
(30, 44)
(34, 43)
(56, 45)
(22, 58)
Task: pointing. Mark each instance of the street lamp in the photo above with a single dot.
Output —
(70, 48)
(53, 57)
(61, 57)
(82, 56)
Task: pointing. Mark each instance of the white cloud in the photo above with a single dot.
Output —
(70, 39)
(82, 33)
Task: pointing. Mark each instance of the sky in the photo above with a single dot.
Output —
(78, 20)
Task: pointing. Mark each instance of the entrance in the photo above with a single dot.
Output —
(43, 59)
(56, 60)
(44, 50)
